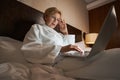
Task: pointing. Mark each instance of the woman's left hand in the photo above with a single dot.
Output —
(71, 47)
(63, 27)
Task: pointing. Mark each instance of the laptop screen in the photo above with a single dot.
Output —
(108, 27)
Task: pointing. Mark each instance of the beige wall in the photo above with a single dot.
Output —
(74, 11)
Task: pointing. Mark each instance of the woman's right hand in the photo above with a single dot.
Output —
(63, 27)
(70, 48)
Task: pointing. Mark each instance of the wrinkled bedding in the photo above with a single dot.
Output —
(14, 71)
(13, 65)
(17, 71)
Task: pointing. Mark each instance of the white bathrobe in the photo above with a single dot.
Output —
(42, 44)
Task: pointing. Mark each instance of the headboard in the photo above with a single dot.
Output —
(16, 19)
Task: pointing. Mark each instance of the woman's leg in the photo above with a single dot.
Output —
(104, 66)
(70, 63)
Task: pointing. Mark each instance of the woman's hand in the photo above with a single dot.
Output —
(63, 27)
(70, 48)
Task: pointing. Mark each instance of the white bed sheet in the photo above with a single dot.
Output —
(104, 66)
(10, 50)
(17, 71)
(13, 65)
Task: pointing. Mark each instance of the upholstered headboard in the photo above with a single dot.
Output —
(16, 19)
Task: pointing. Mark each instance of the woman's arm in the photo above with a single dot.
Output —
(70, 48)
(63, 27)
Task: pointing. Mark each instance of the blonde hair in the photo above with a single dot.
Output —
(50, 11)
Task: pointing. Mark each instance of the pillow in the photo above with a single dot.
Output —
(10, 50)
(70, 38)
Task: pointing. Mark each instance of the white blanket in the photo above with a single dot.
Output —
(103, 67)
(16, 71)
(13, 71)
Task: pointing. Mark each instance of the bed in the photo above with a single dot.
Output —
(15, 21)
(13, 65)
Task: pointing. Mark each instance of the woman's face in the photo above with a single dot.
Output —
(53, 20)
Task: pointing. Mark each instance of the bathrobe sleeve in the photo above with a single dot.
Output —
(39, 47)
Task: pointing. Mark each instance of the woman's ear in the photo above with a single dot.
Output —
(45, 18)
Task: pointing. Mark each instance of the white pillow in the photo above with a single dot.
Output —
(70, 38)
(10, 50)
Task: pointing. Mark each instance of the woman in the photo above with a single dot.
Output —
(42, 44)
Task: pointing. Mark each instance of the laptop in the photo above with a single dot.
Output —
(108, 28)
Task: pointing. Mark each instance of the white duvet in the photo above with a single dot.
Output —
(13, 66)
(14, 71)
(17, 71)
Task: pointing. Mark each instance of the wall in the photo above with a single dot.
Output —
(96, 18)
(74, 11)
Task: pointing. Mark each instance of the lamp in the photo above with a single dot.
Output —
(90, 38)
